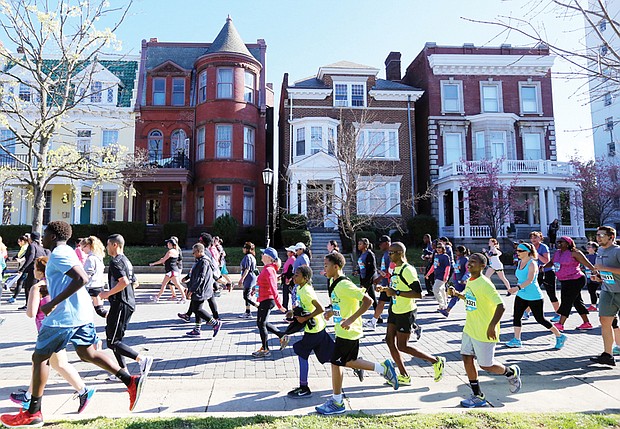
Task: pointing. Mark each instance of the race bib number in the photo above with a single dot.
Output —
(337, 316)
(436, 263)
(588, 274)
(556, 267)
(471, 304)
(295, 297)
(457, 268)
(608, 278)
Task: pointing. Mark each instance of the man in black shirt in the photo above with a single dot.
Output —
(34, 251)
(122, 304)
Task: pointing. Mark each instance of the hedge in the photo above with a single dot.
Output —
(84, 230)
(226, 227)
(176, 229)
(420, 225)
(293, 236)
(10, 234)
(253, 234)
(133, 232)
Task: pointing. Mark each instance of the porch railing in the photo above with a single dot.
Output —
(509, 166)
(484, 231)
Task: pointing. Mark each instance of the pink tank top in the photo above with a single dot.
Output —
(565, 266)
(38, 319)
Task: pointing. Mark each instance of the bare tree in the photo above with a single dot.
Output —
(46, 84)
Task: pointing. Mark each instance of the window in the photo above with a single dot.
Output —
(95, 92)
(451, 100)
(357, 95)
(108, 206)
(378, 198)
(453, 151)
(498, 144)
(110, 137)
(349, 94)
(200, 209)
(378, 144)
(340, 95)
(532, 148)
(490, 98)
(223, 141)
(609, 124)
(530, 102)
(83, 141)
(248, 91)
(202, 87)
(608, 99)
(316, 139)
(178, 92)
(479, 147)
(7, 140)
(224, 83)
(47, 209)
(155, 145)
(24, 92)
(331, 141)
(248, 144)
(159, 91)
(110, 98)
(177, 143)
(248, 206)
(223, 200)
(200, 144)
(300, 143)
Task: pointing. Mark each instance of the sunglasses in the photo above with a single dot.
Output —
(521, 251)
(392, 252)
(601, 235)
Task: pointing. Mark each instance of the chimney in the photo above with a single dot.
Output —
(153, 40)
(392, 66)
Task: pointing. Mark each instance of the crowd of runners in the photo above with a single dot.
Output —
(66, 287)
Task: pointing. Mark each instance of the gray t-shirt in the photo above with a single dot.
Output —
(609, 257)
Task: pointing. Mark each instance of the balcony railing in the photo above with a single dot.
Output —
(8, 161)
(179, 160)
(509, 166)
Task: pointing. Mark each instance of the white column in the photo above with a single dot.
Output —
(1, 205)
(23, 208)
(580, 218)
(304, 199)
(552, 207)
(573, 213)
(95, 207)
(441, 216)
(293, 197)
(466, 215)
(530, 211)
(542, 208)
(77, 203)
(456, 212)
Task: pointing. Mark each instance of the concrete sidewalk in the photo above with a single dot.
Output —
(219, 376)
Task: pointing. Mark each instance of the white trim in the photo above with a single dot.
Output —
(348, 83)
(346, 71)
(494, 65)
(500, 98)
(308, 94)
(392, 95)
(535, 84)
(459, 84)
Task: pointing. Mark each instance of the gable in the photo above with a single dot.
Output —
(98, 73)
(169, 67)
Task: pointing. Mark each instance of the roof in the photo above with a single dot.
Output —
(347, 65)
(389, 85)
(229, 40)
(310, 82)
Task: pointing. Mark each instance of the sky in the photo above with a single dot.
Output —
(301, 36)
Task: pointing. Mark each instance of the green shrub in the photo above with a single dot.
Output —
(10, 234)
(420, 225)
(226, 227)
(370, 235)
(177, 229)
(293, 221)
(133, 232)
(254, 234)
(293, 236)
(88, 229)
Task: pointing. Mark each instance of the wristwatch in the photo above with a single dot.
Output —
(397, 292)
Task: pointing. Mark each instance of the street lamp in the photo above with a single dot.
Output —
(267, 181)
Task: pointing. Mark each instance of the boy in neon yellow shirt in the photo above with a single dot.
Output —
(484, 309)
(347, 311)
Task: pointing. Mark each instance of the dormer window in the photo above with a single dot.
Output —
(159, 91)
(349, 94)
(110, 98)
(24, 92)
(95, 95)
(178, 92)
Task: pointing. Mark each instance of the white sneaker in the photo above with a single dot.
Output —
(145, 365)
(245, 316)
(112, 377)
(370, 324)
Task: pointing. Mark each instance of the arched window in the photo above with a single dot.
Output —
(156, 145)
(178, 143)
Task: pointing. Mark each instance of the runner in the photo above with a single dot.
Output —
(383, 280)
(441, 269)
(427, 257)
(248, 277)
(287, 279)
(121, 283)
(592, 285)
(315, 338)
(403, 291)
(367, 269)
(69, 319)
(495, 264)
(173, 267)
(530, 296)
(461, 275)
(347, 310)
(484, 309)
(93, 250)
(546, 275)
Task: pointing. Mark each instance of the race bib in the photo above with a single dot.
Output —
(457, 268)
(436, 263)
(336, 310)
(295, 297)
(588, 274)
(556, 267)
(608, 278)
(470, 302)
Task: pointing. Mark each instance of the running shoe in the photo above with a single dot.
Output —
(370, 324)
(229, 286)
(560, 341)
(403, 380)
(22, 308)
(216, 328)
(135, 390)
(11, 300)
(592, 307)
(23, 419)
(438, 367)
(555, 319)
(260, 353)
(515, 343)
(604, 359)
(154, 298)
(515, 380)
(145, 365)
(418, 332)
(443, 312)
(474, 401)
(245, 316)
(330, 407)
(194, 333)
(85, 398)
(526, 316)
(300, 392)
(184, 317)
(284, 342)
(380, 320)
(112, 378)
(359, 373)
(389, 373)
(585, 326)
(559, 326)
(19, 397)
(616, 351)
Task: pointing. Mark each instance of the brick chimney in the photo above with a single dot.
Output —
(392, 66)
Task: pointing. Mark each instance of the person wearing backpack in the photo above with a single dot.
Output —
(403, 290)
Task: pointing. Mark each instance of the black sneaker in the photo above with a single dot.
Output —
(300, 392)
(605, 359)
(380, 320)
(359, 373)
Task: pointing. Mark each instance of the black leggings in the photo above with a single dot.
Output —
(286, 294)
(592, 288)
(428, 282)
(195, 307)
(264, 307)
(116, 325)
(246, 296)
(547, 279)
(570, 293)
(370, 290)
(18, 286)
(537, 310)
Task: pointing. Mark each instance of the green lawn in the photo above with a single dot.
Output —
(470, 420)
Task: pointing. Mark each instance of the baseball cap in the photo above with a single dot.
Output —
(300, 245)
(270, 251)
(290, 248)
(35, 236)
(385, 239)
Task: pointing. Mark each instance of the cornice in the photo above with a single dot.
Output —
(308, 93)
(387, 95)
(493, 65)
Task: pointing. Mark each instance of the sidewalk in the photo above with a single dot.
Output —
(218, 376)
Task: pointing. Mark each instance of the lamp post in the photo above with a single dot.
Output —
(267, 181)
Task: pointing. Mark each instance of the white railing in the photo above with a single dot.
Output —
(509, 166)
(568, 230)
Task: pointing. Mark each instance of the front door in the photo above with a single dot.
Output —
(85, 208)
(319, 203)
(152, 211)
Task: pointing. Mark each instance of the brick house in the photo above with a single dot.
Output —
(491, 103)
(347, 104)
(202, 116)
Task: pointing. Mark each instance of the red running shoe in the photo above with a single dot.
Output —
(135, 389)
(23, 419)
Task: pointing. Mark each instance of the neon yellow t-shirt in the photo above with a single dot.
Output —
(346, 298)
(481, 300)
(306, 295)
(400, 304)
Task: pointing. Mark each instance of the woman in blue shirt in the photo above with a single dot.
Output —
(461, 275)
(441, 268)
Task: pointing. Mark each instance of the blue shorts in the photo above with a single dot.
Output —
(53, 339)
(320, 343)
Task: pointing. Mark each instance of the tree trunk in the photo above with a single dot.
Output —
(38, 207)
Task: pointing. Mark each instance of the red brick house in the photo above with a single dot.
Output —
(490, 103)
(202, 112)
